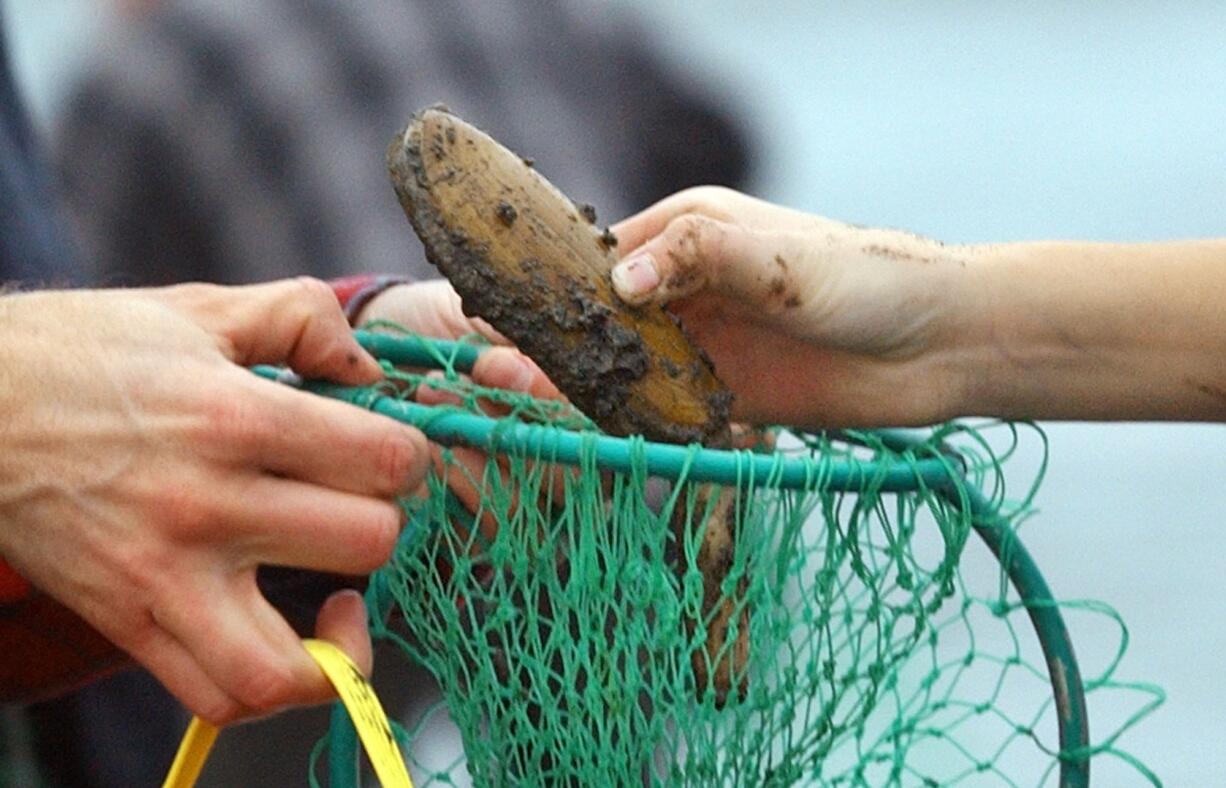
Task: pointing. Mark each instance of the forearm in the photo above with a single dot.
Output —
(877, 326)
(1061, 330)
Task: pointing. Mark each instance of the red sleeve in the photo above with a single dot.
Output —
(48, 649)
(12, 585)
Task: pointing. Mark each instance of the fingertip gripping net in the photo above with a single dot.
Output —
(816, 610)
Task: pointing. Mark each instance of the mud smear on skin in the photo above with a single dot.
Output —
(893, 253)
(781, 289)
(1208, 389)
(903, 255)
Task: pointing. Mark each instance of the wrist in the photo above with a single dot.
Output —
(940, 351)
(1073, 330)
(356, 292)
(1002, 344)
(959, 354)
(969, 356)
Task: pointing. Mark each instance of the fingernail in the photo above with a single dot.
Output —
(343, 597)
(636, 275)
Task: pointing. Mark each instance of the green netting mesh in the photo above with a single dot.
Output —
(871, 639)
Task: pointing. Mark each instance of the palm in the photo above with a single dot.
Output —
(782, 378)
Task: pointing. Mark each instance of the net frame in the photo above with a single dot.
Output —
(944, 475)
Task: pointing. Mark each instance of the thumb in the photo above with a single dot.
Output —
(293, 321)
(342, 621)
(696, 252)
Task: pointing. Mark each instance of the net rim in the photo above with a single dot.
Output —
(943, 473)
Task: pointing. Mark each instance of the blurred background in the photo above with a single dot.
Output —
(991, 121)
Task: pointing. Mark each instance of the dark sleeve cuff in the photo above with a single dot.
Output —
(355, 292)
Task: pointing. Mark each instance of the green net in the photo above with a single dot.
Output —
(856, 631)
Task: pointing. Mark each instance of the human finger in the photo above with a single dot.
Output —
(469, 475)
(342, 622)
(633, 231)
(179, 672)
(431, 308)
(508, 368)
(324, 441)
(313, 685)
(294, 321)
(286, 522)
(436, 390)
(752, 438)
(715, 202)
(502, 368)
(242, 643)
(696, 252)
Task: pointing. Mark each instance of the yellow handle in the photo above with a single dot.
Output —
(193, 752)
(374, 731)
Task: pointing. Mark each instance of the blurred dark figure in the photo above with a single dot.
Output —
(232, 142)
(235, 142)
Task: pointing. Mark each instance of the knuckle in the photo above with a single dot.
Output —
(397, 461)
(267, 686)
(712, 201)
(376, 540)
(236, 422)
(314, 293)
(691, 228)
(708, 194)
(184, 511)
(720, 193)
(686, 225)
(220, 711)
(693, 238)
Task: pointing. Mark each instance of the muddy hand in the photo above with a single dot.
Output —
(810, 322)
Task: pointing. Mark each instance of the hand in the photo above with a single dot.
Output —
(812, 322)
(434, 309)
(808, 321)
(144, 474)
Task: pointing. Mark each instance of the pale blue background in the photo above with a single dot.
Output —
(998, 121)
(976, 122)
